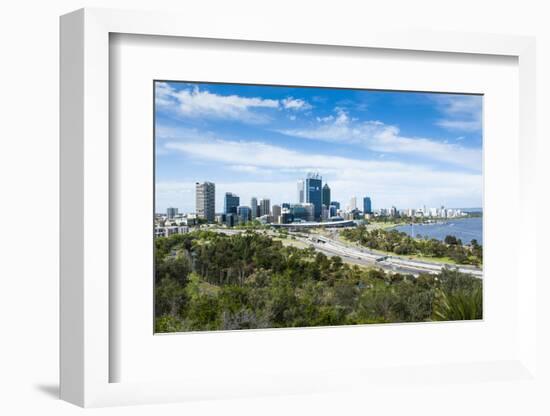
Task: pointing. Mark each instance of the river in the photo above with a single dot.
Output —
(466, 229)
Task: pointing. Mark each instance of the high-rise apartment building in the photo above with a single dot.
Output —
(313, 192)
(205, 200)
(326, 195)
(230, 203)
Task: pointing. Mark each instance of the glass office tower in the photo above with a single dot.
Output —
(313, 190)
(367, 205)
(230, 203)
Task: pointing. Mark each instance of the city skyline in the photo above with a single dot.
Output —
(398, 148)
(232, 202)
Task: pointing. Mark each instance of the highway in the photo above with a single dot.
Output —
(365, 257)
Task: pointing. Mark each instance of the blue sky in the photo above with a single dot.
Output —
(400, 148)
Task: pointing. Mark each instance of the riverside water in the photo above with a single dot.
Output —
(466, 229)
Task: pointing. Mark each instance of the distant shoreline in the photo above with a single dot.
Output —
(460, 234)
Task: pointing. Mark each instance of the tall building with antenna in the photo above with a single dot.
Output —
(313, 191)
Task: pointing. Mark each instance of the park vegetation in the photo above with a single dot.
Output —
(393, 241)
(210, 281)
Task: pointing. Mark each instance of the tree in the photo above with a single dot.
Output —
(203, 313)
(375, 305)
(177, 268)
(170, 297)
(451, 240)
(402, 244)
(210, 281)
(168, 323)
(413, 303)
(282, 301)
(336, 262)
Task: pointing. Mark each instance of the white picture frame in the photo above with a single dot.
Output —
(85, 212)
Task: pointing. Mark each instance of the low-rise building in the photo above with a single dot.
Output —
(166, 231)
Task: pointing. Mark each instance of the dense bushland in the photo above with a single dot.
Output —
(210, 281)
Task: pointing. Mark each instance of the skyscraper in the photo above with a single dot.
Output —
(276, 213)
(326, 195)
(253, 208)
(265, 207)
(205, 200)
(367, 205)
(301, 191)
(314, 194)
(243, 213)
(353, 203)
(230, 203)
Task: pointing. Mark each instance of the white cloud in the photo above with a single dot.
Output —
(163, 94)
(352, 104)
(194, 102)
(461, 112)
(469, 105)
(295, 104)
(245, 168)
(165, 133)
(461, 125)
(242, 153)
(325, 119)
(276, 169)
(380, 137)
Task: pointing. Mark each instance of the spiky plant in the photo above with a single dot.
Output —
(459, 305)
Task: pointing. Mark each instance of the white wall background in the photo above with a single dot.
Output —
(29, 56)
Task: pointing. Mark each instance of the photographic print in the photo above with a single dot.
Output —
(288, 206)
